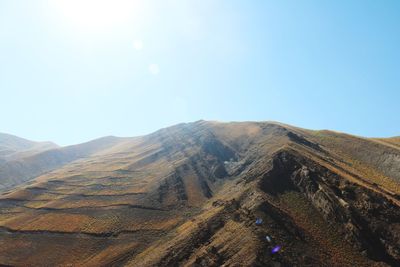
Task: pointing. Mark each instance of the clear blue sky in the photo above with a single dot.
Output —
(76, 70)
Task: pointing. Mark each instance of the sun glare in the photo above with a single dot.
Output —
(96, 14)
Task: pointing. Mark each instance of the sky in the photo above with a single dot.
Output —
(75, 70)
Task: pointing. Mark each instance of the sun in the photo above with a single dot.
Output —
(96, 14)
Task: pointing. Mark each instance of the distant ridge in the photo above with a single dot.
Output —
(11, 144)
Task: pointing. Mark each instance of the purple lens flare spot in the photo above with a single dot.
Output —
(275, 249)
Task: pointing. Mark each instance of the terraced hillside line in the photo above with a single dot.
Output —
(93, 195)
(81, 233)
(95, 207)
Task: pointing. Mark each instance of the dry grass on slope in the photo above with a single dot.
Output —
(344, 168)
(374, 162)
(393, 141)
(330, 245)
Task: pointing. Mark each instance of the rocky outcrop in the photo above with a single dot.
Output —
(368, 220)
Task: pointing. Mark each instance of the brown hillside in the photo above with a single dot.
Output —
(24, 165)
(189, 195)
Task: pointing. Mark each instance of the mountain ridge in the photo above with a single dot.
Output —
(10, 145)
(191, 193)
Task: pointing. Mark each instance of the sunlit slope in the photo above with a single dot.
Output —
(393, 141)
(24, 165)
(377, 162)
(188, 195)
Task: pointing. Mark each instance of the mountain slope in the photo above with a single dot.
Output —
(189, 195)
(13, 147)
(25, 165)
(393, 141)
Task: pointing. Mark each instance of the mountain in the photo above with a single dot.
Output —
(12, 146)
(190, 195)
(29, 159)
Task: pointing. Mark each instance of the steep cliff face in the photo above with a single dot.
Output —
(189, 195)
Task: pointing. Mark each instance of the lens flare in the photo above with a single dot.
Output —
(276, 249)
